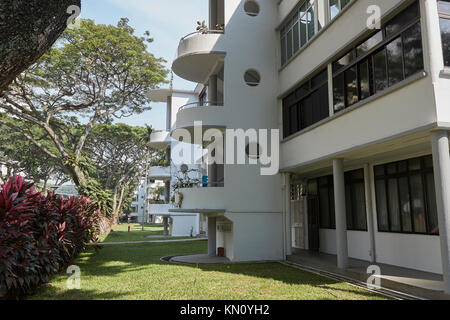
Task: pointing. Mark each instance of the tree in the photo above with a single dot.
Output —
(27, 29)
(119, 154)
(20, 156)
(96, 73)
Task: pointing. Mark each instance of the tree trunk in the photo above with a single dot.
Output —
(28, 28)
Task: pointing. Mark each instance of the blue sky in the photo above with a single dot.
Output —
(167, 20)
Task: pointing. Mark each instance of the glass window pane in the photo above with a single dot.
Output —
(414, 164)
(395, 61)
(412, 48)
(402, 19)
(296, 35)
(418, 204)
(433, 226)
(369, 44)
(344, 61)
(344, 3)
(320, 78)
(359, 206)
(289, 45)
(334, 8)
(351, 86)
(364, 82)
(444, 6)
(303, 31)
(310, 17)
(445, 34)
(283, 51)
(379, 171)
(405, 204)
(380, 71)
(324, 208)
(382, 213)
(332, 212)
(394, 210)
(338, 92)
(348, 207)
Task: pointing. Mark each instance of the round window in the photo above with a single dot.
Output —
(251, 8)
(252, 78)
(253, 150)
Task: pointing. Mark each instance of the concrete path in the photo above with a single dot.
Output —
(149, 241)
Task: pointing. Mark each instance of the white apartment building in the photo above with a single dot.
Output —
(180, 223)
(363, 105)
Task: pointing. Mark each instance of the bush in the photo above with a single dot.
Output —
(39, 235)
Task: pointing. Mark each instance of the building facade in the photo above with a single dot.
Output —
(359, 91)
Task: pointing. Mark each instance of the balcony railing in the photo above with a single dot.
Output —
(206, 31)
(201, 104)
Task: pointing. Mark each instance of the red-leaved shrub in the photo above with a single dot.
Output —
(39, 235)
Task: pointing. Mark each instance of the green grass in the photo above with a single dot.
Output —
(120, 233)
(136, 272)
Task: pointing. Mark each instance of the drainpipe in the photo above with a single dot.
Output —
(288, 229)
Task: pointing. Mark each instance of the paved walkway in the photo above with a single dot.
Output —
(200, 259)
(414, 282)
(148, 241)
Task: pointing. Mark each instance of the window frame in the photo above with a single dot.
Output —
(445, 16)
(423, 172)
(382, 45)
(350, 182)
(287, 128)
(289, 24)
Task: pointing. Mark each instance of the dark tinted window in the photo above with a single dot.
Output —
(412, 48)
(380, 70)
(402, 19)
(445, 33)
(395, 61)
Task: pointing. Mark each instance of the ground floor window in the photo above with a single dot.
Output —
(405, 197)
(355, 200)
(323, 190)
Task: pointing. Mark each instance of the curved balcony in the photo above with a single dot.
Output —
(159, 173)
(200, 54)
(200, 114)
(160, 140)
(202, 200)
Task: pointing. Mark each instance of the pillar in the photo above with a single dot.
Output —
(212, 237)
(369, 212)
(441, 163)
(212, 89)
(341, 216)
(166, 226)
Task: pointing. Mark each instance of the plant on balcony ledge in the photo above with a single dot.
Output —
(183, 181)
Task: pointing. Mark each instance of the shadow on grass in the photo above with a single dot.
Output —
(126, 259)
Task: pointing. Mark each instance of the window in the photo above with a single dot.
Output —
(382, 60)
(355, 200)
(336, 6)
(405, 197)
(307, 105)
(299, 29)
(444, 17)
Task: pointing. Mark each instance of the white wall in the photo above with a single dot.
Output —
(256, 236)
(182, 225)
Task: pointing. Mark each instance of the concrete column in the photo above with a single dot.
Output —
(369, 211)
(341, 216)
(167, 192)
(166, 226)
(212, 14)
(212, 89)
(441, 163)
(288, 226)
(212, 237)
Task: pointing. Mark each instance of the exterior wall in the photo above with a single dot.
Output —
(184, 225)
(255, 237)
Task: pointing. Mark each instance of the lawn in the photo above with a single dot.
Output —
(135, 272)
(120, 233)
